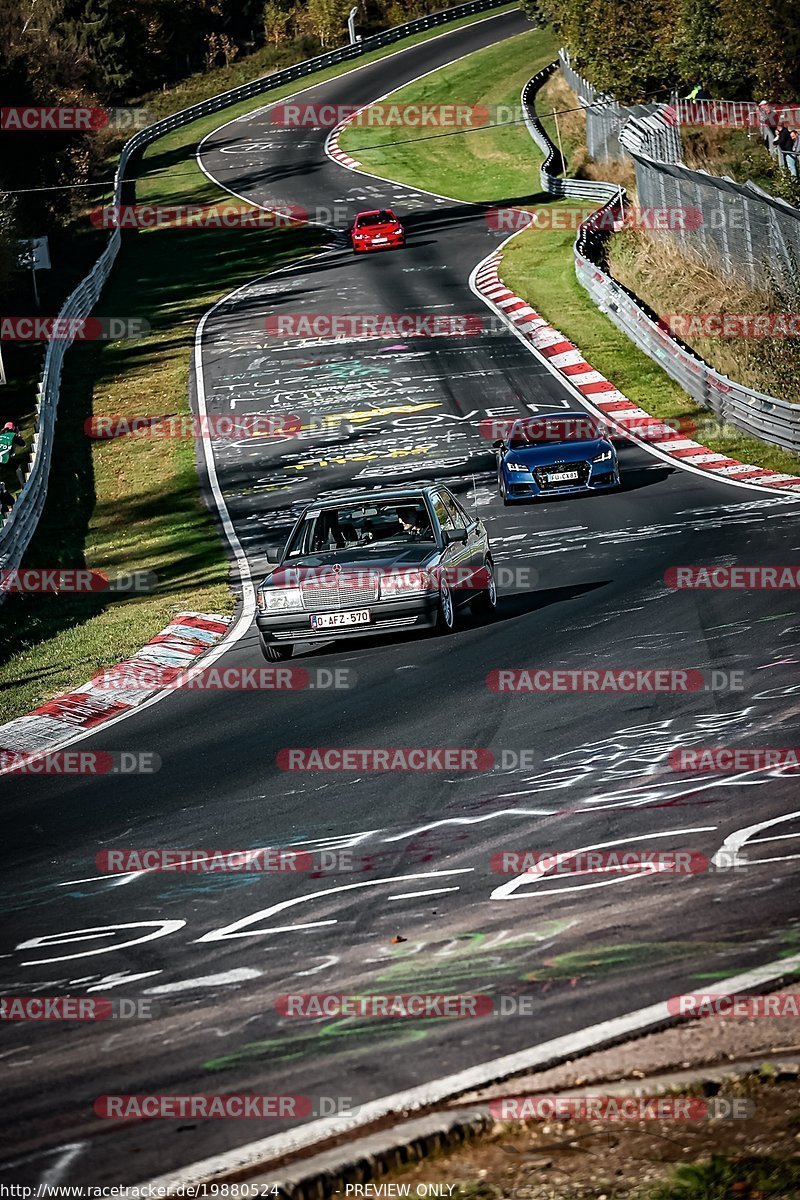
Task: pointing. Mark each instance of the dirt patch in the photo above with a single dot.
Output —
(711, 1159)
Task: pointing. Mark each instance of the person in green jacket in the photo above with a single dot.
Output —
(9, 438)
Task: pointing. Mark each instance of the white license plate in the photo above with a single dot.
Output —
(377, 239)
(562, 476)
(359, 616)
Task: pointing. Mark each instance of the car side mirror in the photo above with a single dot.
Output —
(498, 445)
(459, 534)
(274, 554)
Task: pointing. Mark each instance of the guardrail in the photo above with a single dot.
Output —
(549, 172)
(762, 416)
(20, 524)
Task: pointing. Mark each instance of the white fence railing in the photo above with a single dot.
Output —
(20, 524)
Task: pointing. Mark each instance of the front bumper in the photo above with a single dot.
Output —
(524, 487)
(392, 243)
(388, 616)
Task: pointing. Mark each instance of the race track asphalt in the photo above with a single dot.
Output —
(582, 585)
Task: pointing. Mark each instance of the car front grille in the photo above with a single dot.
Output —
(343, 593)
(540, 475)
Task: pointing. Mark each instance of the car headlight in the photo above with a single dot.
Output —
(405, 583)
(511, 465)
(606, 456)
(279, 599)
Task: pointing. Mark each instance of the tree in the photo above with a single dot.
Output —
(704, 53)
(276, 22)
(326, 19)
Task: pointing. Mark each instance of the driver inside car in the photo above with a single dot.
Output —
(414, 521)
(328, 535)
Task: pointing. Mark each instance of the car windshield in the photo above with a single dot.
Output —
(363, 526)
(384, 217)
(537, 431)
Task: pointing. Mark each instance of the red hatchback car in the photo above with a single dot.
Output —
(377, 230)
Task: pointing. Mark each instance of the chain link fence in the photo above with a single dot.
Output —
(605, 118)
(19, 526)
(761, 416)
(746, 233)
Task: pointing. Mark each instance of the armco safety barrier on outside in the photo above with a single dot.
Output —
(749, 234)
(605, 117)
(762, 416)
(19, 526)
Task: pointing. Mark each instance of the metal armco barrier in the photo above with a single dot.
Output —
(588, 189)
(20, 524)
(762, 416)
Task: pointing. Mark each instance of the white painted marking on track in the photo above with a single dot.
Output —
(506, 890)
(236, 975)
(233, 930)
(429, 892)
(66, 1157)
(329, 961)
(728, 853)
(539, 1056)
(159, 929)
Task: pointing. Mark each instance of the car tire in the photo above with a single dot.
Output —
(503, 494)
(445, 611)
(485, 603)
(273, 652)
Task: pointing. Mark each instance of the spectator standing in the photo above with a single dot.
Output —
(6, 500)
(9, 438)
(785, 143)
(768, 121)
(791, 155)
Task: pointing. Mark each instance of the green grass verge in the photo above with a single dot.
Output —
(134, 504)
(130, 503)
(162, 156)
(722, 1178)
(483, 164)
(501, 163)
